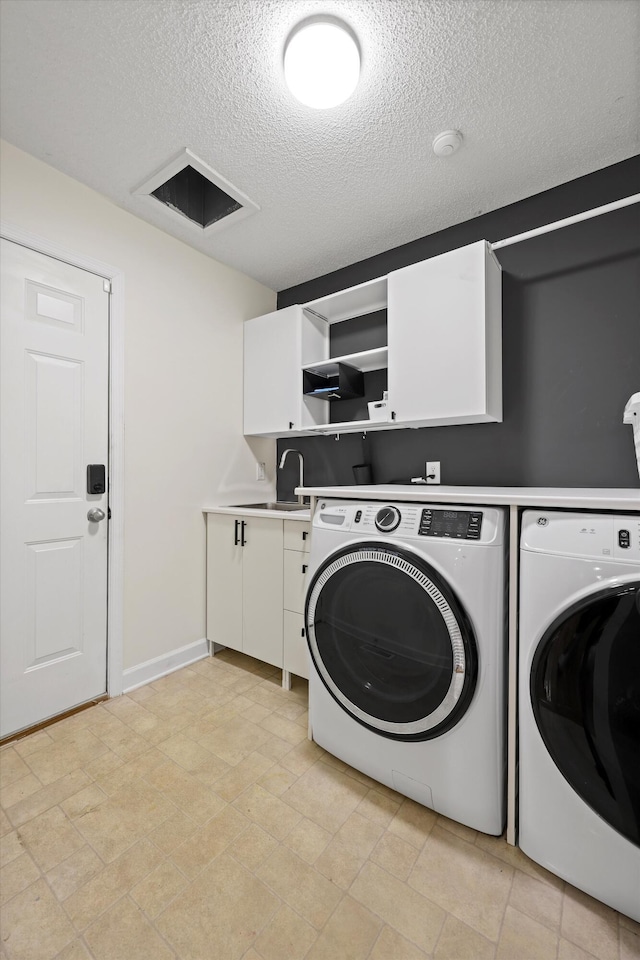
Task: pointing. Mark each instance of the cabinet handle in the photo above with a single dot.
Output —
(235, 536)
(304, 567)
(302, 633)
(305, 534)
(290, 424)
(393, 414)
(243, 542)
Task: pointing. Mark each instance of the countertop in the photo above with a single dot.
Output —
(240, 511)
(585, 498)
(575, 498)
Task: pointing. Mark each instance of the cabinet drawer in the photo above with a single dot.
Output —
(295, 578)
(296, 535)
(296, 654)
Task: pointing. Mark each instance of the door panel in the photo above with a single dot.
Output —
(53, 601)
(55, 365)
(53, 396)
(56, 307)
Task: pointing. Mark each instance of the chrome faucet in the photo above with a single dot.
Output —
(281, 465)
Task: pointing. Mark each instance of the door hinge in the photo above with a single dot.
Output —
(106, 286)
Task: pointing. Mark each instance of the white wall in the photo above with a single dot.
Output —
(184, 446)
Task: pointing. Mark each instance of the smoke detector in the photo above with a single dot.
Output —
(447, 143)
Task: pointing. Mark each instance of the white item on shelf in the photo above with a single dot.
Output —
(632, 416)
(378, 408)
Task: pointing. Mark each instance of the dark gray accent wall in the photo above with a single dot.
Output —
(571, 352)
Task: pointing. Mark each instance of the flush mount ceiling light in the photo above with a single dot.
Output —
(321, 62)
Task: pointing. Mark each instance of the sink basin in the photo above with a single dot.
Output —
(273, 505)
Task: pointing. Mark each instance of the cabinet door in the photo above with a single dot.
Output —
(272, 376)
(275, 348)
(262, 589)
(224, 581)
(296, 655)
(445, 334)
(295, 577)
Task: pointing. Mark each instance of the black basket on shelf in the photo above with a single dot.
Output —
(338, 382)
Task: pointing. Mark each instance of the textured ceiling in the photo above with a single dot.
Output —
(108, 90)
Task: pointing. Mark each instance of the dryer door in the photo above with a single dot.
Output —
(585, 693)
(391, 641)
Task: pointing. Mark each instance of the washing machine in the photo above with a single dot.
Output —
(405, 622)
(579, 701)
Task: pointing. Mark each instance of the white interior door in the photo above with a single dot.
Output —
(54, 339)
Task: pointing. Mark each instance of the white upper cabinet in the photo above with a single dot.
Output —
(443, 358)
(445, 339)
(275, 348)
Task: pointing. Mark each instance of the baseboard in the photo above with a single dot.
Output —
(151, 670)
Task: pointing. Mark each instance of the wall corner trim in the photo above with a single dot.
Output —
(150, 670)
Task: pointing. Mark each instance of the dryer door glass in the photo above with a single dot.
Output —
(391, 641)
(585, 692)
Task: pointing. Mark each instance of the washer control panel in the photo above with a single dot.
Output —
(411, 520)
(456, 524)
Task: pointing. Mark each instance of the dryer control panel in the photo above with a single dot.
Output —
(588, 535)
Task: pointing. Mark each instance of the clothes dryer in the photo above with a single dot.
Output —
(405, 622)
(579, 701)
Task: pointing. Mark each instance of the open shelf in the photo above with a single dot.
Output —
(353, 302)
(365, 361)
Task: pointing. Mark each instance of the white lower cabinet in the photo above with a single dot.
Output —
(296, 655)
(244, 584)
(295, 569)
(296, 543)
(256, 580)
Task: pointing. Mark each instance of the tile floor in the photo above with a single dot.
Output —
(193, 819)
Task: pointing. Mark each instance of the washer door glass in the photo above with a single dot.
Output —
(585, 692)
(390, 641)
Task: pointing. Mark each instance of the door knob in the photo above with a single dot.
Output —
(96, 515)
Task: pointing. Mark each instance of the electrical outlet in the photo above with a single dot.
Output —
(432, 471)
(260, 475)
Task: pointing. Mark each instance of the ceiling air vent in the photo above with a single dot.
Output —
(191, 189)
